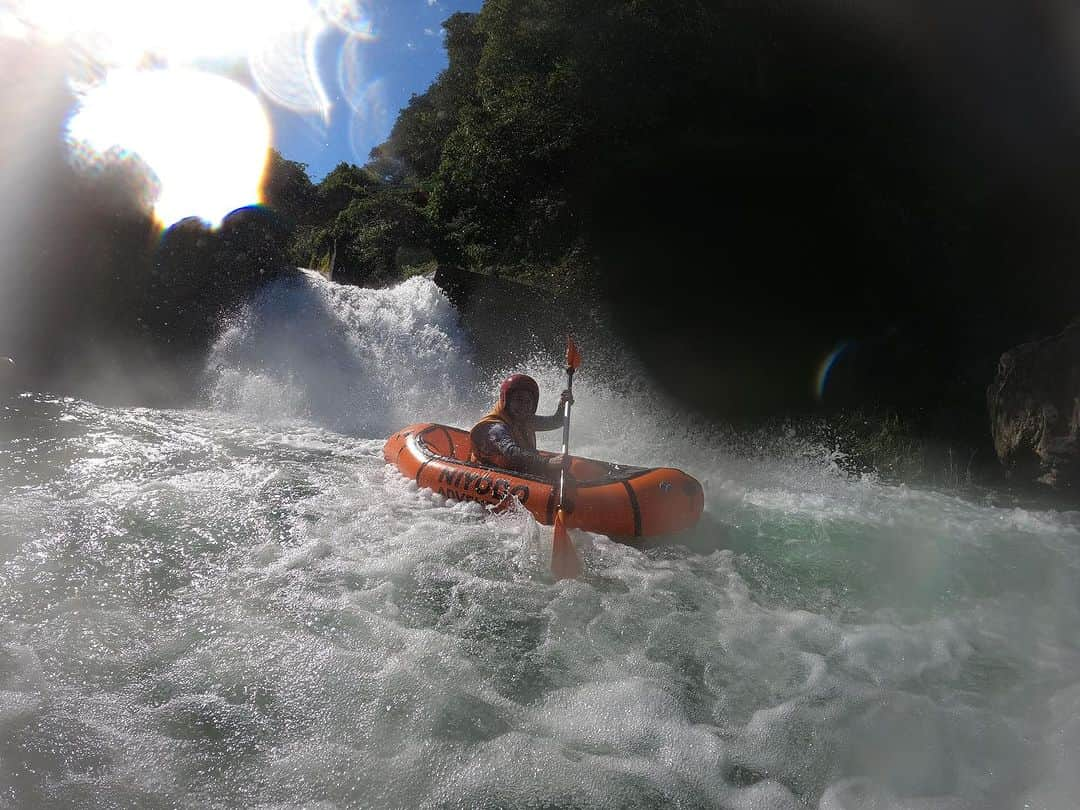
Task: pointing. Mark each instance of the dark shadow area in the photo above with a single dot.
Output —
(865, 191)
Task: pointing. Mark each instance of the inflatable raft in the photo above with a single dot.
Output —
(612, 499)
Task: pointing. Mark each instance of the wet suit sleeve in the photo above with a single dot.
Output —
(497, 441)
(553, 422)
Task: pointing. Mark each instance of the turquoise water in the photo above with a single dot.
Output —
(241, 605)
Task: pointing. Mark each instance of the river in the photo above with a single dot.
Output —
(242, 605)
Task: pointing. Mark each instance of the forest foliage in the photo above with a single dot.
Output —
(745, 185)
(499, 166)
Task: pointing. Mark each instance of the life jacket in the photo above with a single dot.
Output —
(524, 436)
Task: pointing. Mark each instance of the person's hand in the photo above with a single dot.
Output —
(555, 463)
(566, 396)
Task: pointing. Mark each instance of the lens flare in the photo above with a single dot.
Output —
(287, 72)
(371, 116)
(352, 72)
(206, 138)
(827, 365)
(349, 16)
(120, 33)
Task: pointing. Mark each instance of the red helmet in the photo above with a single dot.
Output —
(518, 381)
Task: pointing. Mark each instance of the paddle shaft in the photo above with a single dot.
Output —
(565, 436)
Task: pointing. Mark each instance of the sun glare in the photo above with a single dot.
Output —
(121, 32)
(205, 137)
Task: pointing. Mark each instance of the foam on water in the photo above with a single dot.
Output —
(244, 606)
(349, 358)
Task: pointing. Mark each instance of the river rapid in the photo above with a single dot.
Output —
(242, 605)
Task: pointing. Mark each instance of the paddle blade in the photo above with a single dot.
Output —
(565, 563)
(573, 356)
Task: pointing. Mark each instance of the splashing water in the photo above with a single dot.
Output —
(348, 358)
(244, 606)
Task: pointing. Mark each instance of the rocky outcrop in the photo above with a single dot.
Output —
(508, 320)
(1034, 404)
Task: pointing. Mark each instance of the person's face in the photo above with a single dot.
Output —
(520, 403)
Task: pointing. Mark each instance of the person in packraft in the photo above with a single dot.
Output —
(506, 437)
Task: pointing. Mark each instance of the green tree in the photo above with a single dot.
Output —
(425, 123)
(378, 237)
(341, 186)
(288, 190)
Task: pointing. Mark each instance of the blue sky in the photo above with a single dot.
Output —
(199, 90)
(404, 56)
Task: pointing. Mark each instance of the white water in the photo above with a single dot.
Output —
(243, 606)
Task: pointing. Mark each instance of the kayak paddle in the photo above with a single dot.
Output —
(565, 563)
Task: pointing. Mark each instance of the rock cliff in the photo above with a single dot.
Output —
(1034, 404)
